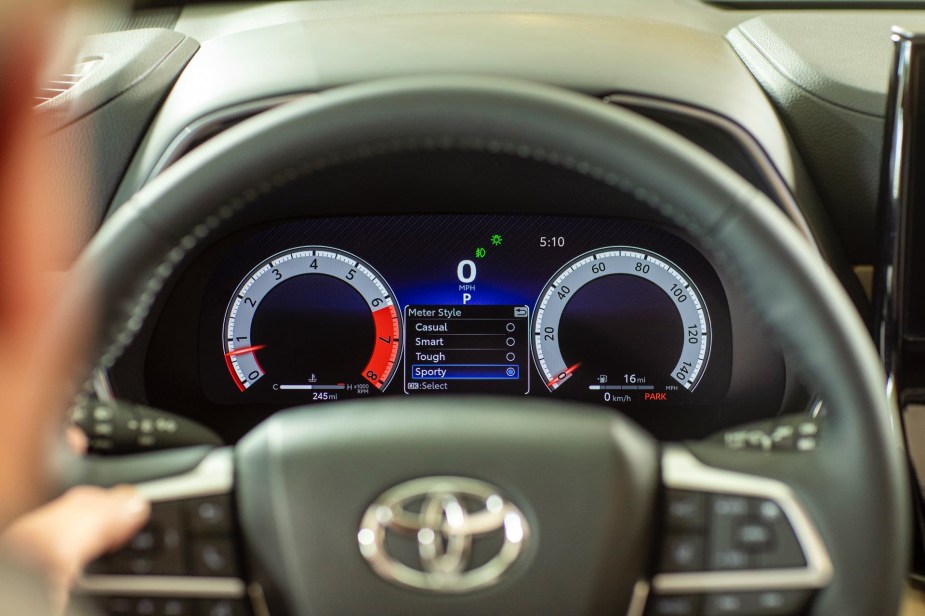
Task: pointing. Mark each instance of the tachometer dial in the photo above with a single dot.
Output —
(312, 319)
(623, 324)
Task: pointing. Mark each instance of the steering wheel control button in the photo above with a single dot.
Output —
(753, 536)
(222, 607)
(147, 606)
(189, 537)
(682, 553)
(784, 551)
(177, 607)
(686, 510)
(214, 558)
(426, 533)
(725, 507)
(767, 603)
(726, 532)
(155, 550)
(209, 515)
(674, 605)
(143, 541)
(727, 514)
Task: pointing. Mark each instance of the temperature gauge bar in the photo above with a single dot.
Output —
(338, 387)
(467, 348)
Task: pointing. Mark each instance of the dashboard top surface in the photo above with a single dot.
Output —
(661, 50)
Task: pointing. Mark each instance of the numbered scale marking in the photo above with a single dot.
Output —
(630, 261)
(241, 353)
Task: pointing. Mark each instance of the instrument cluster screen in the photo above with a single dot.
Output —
(613, 311)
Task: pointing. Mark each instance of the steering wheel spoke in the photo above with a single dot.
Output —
(187, 560)
(733, 543)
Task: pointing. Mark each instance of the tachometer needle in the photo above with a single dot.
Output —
(563, 375)
(249, 349)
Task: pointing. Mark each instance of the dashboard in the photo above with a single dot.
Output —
(235, 62)
(615, 311)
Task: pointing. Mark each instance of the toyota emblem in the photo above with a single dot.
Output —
(437, 525)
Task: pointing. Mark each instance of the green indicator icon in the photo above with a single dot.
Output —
(480, 253)
(496, 240)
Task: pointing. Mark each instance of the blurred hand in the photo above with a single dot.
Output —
(62, 537)
(76, 440)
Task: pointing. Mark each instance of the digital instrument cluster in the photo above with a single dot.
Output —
(613, 311)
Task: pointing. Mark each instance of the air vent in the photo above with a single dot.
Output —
(65, 82)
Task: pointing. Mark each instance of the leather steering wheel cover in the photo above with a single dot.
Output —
(854, 485)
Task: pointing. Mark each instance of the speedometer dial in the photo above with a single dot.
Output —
(622, 324)
(312, 319)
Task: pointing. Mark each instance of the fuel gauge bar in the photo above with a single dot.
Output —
(620, 387)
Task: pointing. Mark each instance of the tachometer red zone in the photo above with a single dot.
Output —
(385, 351)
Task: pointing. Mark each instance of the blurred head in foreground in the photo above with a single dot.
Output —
(31, 236)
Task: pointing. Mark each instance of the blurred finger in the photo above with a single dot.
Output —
(76, 440)
(62, 537)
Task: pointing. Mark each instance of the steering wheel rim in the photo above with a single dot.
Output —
(859, 502)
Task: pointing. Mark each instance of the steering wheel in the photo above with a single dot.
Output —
(501, 506)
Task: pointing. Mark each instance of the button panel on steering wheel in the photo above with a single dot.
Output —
(185, 562)
(733, 544)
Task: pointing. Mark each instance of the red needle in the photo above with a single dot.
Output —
(564, 375)
(249, 349)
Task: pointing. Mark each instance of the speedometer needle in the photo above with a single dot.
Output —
(249, 349)
(563, 375)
